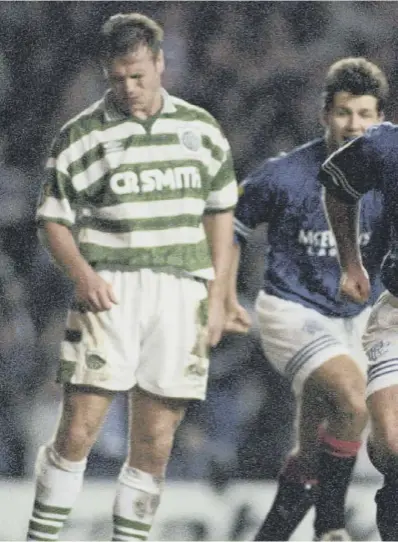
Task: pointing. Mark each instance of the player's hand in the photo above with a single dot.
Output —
(237, 319)
(93, 293)
(354, 283)
(216, 320)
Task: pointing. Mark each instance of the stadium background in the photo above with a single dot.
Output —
(258, 67)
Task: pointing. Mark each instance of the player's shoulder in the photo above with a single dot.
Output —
(381, 134)
(84, 122)
(308, 151)
(385, 127)
(188, 111)
(302, 155)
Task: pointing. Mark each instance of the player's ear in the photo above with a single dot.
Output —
(160, 61)
(323, 117)
(381, 116)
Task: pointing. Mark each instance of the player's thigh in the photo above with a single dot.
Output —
(296, 340)
(381, 346)
(102, 349)
(383, 410)
(380, 342)
(174, 359)
(341, 380)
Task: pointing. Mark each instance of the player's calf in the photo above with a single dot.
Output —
(386, 497)
(345, 390)
(296, 494)
(383, 453)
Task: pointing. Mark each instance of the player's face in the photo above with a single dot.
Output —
(349, 117)
(135, 79)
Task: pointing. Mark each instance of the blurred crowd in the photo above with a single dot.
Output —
(258, 67)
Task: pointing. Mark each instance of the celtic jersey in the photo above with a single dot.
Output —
(136, 191)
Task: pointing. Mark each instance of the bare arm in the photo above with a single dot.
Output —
(219, 232)
(233, 275)
(58, 239)
(91, 290)
(343, 220)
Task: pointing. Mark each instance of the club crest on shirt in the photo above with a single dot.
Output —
(191, 140)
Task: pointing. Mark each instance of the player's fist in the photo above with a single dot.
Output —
(93, 293)
(237, 319)
(354, 283)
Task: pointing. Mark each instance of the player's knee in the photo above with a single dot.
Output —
(350, 407)
(75, 439)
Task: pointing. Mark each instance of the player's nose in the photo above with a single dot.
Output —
(355, 125)
(130, 86)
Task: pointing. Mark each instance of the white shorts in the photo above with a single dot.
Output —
(380, 342)
(297, 340)
(156, 337)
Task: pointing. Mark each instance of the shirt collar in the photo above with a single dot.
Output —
(112, 113)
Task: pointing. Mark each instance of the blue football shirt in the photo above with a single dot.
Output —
(369, 163)
(302, 264)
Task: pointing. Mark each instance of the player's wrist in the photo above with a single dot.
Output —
(80, 272)
(217, 289)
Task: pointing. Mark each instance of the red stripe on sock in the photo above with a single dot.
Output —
(340, 448)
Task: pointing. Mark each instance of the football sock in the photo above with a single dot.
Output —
(137, 499)
(295, 495)
(336, 463)
(387, 510)
(386, 497)
(58, 483)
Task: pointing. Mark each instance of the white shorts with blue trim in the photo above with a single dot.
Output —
(380, 342)
(297, 340)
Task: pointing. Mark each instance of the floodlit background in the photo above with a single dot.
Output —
(258, 68)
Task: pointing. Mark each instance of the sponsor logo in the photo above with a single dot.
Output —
(378, 350)
(323, 243)
(151, 180)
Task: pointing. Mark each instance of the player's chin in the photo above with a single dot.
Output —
(347, 139)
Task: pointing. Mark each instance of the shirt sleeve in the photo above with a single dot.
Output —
(257, 200)
(223, 193)
(58, 197)
(352, 170)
